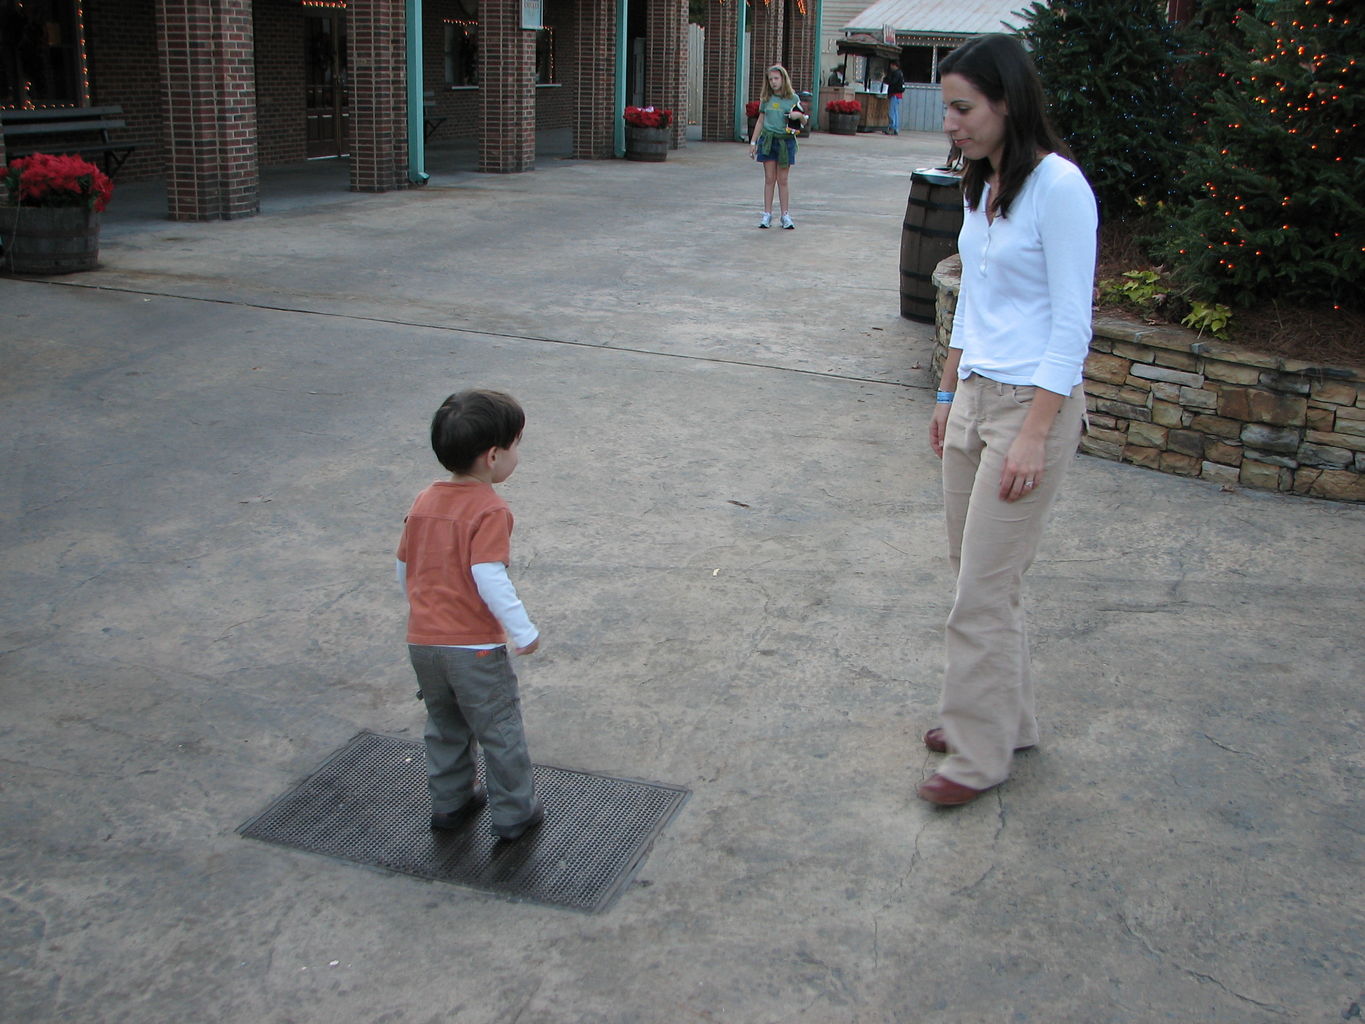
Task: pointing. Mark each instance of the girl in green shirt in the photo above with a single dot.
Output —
(773, 144)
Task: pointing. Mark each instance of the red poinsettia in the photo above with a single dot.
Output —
(46, 180)
(844, 107)
(751, 108)
(648, 117)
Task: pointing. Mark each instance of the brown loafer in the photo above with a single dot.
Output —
(945, 792)
(937, 741)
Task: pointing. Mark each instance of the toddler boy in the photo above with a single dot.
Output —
(463, 612)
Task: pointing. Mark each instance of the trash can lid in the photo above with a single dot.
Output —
(935, 176)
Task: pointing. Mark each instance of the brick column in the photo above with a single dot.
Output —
(208, 82)
(766, 43)
(507, 89)
(378, 126)
(718, 72)
(666, 63)
(800, 45)
(594, 126)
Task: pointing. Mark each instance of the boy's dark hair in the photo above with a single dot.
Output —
(1000, 67)
(469, 423)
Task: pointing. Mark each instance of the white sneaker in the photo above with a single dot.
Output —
(787, 221)
(766, 221)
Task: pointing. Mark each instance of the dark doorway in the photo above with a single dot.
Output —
(325, 98)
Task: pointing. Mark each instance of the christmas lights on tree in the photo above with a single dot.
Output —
(1274, 198)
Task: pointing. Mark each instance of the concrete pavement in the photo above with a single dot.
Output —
(729, 530)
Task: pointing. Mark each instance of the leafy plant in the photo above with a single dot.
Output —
(648, 117)
(46, 180)
(1209, 316)
(1138, 287)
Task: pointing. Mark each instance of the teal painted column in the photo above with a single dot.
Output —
(619, 141)
(417, 137)
(741, 86)
(817, 73)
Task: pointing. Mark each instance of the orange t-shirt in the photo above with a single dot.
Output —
(451, 527)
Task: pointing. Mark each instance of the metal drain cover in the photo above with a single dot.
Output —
(368, 804)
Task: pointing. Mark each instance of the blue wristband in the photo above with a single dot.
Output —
(944, 397)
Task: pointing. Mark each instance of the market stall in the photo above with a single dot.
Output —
(865, 64)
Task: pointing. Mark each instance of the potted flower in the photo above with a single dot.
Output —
(647, 133)
(844, 116)
(50, 214)
(751, 112)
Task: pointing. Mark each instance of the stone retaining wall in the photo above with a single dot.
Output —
(1162, 398)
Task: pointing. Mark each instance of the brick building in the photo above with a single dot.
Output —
(215, 89)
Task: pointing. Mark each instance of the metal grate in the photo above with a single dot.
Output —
(368, 804)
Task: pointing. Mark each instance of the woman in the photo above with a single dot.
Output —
(1010, 404)
(774, 141)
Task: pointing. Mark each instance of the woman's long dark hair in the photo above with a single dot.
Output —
(1002, 70)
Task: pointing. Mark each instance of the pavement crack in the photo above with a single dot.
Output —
(1199, 976)
(970, 890)
(1224, 746)
(487, 333)
(914, 854)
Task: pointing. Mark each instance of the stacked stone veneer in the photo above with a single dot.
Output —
(1164, 399)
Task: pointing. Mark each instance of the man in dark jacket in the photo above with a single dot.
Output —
(895, 88)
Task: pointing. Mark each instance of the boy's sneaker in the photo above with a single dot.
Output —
(766, 221)
(453, 819)
(787, 221)
(511, 832)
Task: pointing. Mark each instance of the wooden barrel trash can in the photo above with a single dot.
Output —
(49, 239)
(933, 218)
(842, 124)
(647, 144)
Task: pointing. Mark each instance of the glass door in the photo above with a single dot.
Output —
(325, 97)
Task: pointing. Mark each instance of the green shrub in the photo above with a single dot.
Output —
(1109, 67)
(1273, 203)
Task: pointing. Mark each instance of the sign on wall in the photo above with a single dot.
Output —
(532, 14)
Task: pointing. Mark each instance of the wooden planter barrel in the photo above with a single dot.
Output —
(49, 240)
(648, 144)
(933, 218)
(843, 124)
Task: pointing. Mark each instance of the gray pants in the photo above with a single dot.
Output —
(472, 695)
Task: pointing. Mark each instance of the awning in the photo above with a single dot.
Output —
(954, 19)
(867, 48)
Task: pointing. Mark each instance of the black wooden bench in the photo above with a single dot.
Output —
(80, 130)
(430, 120)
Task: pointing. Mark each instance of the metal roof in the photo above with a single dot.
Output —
(939, 17)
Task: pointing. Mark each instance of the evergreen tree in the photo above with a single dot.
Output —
(1274, 178)
(1109, 67)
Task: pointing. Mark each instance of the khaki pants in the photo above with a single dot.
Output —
(987, 706)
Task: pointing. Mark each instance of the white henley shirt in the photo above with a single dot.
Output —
(1024, 309)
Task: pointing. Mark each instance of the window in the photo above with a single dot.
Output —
(41, 49)
(918, 63)
(545, 57)
(461, 53)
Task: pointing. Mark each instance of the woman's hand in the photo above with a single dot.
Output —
(1022, 473)
(1023, 469)
(938, 425)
